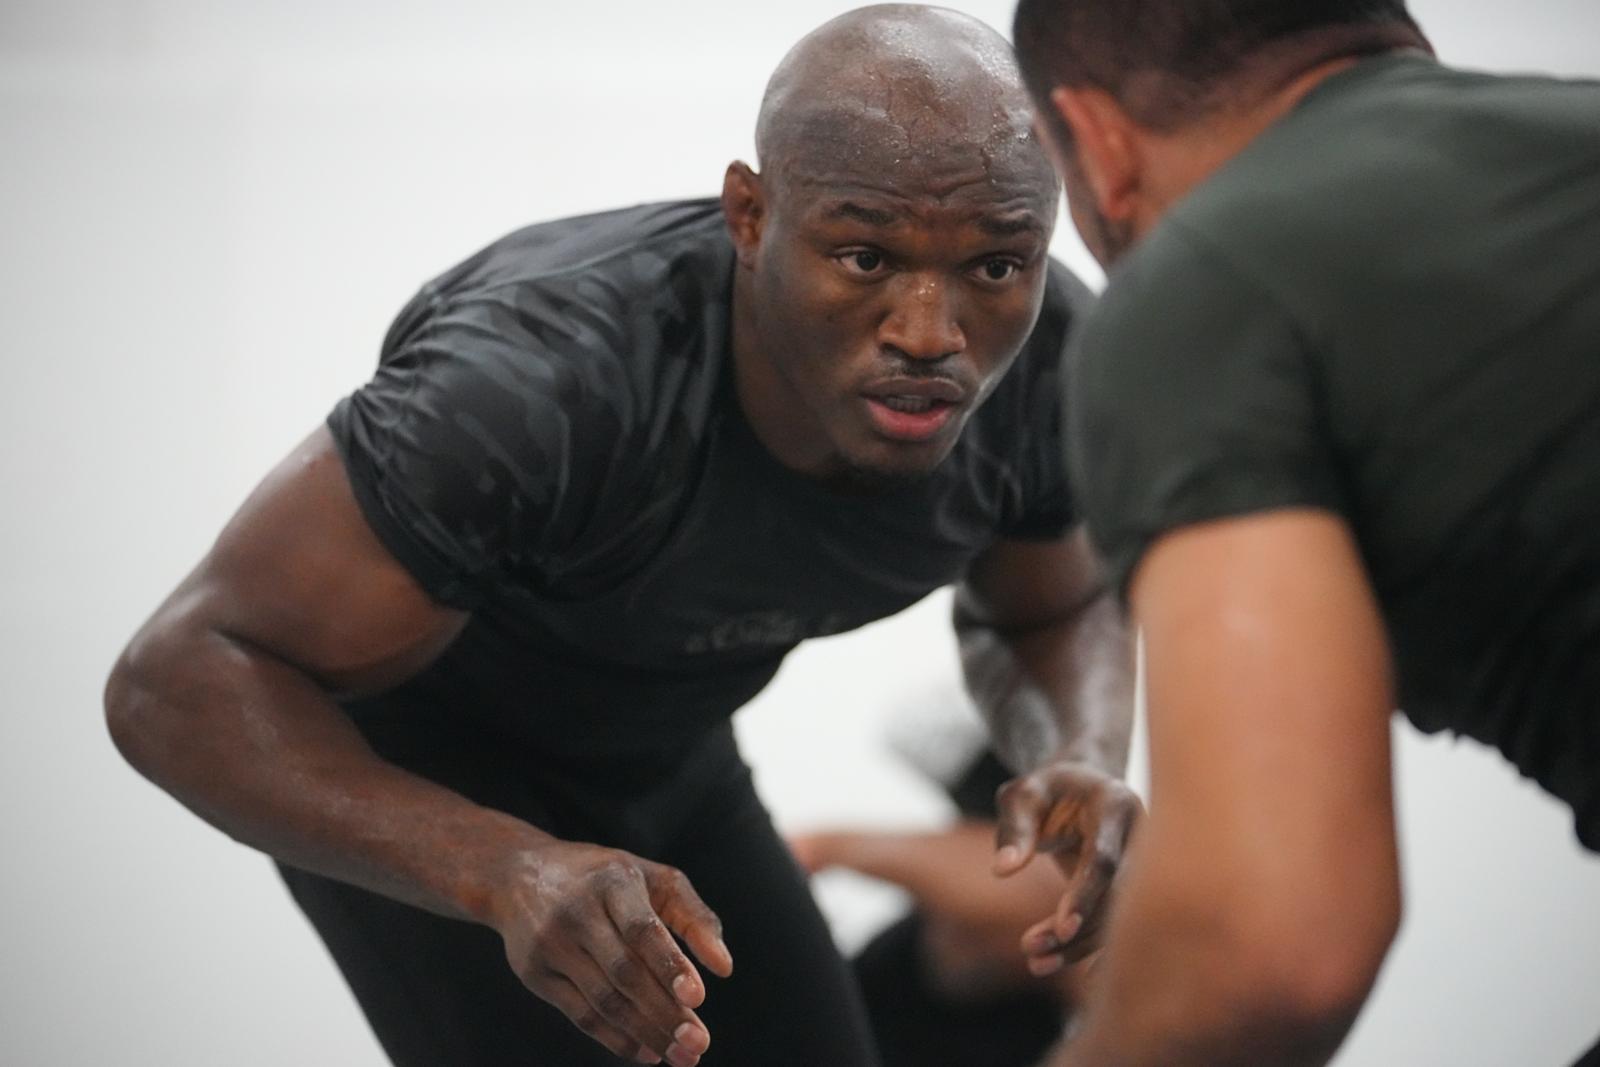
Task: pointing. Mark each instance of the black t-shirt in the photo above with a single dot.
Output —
(1388, 306)
(552, 441)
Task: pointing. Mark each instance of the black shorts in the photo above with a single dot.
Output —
(439, 992)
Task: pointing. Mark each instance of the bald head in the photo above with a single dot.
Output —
(898, 87)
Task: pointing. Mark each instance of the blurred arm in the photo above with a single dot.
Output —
(1263, 890)
(946, 871)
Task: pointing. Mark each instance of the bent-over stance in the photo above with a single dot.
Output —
(470, 652)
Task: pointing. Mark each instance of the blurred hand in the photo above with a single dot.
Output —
(590, 930)
(816, 852)
(1083, 818)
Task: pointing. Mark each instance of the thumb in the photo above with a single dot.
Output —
(1016, 831)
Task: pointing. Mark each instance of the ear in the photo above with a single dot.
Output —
(1106, 144)
(744, 206)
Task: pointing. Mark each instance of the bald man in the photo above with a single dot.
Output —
(465, 662)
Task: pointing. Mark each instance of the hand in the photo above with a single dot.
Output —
(587, 929)
(815, 852)
(1083, 818)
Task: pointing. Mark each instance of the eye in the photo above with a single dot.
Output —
(998, 270)
(862, 261)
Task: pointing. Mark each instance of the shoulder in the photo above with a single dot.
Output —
(1014, 444)
(1034, 380)
(627, 284)
(613, 315)
(1066, 302)
(1194, 395)
(627, 247)
(529, 397)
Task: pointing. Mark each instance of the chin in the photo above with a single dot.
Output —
(884, 469)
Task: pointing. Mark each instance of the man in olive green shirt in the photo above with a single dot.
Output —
(1336, 426)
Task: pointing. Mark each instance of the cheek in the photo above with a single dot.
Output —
(814, 329)
(1005, 325)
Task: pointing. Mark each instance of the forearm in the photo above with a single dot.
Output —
(947, 872)
(259, 750)
(1061, 691)
(1205, 968)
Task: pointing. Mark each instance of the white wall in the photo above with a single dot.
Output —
(209, 209)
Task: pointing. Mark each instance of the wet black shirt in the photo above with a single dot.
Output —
(1388, 306)
(551, 441)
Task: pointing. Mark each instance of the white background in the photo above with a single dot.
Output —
(209, 210)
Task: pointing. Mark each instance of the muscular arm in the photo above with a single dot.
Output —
(1263, 891)
(226, 698)
(1047, 656)
(1049, 661)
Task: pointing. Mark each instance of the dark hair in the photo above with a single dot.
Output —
(1164, 60)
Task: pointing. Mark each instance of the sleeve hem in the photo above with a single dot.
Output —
(1136, 544)
(436, 577)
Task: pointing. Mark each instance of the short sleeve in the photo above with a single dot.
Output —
(1192, 397)
(475, 451)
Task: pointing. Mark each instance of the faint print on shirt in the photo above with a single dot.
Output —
(764, 629)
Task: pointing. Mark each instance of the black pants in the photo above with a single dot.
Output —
(917, 1026)
(439, 993)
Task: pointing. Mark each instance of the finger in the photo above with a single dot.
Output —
(1067, 923)
(686, 915)
(1040, 938)
(1116, 815)
(1091, 887)
(654, 1027)
(807, 851)
(668, 1021)
(570, 1001)
(1049, 937)
(649, 940)
(1045, 966)
(1020, 807)
(1042, 949)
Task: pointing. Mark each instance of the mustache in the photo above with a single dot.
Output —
(888, 367)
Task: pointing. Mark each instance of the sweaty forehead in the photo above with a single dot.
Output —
(919, 101)
(911, 152)
(922, 123)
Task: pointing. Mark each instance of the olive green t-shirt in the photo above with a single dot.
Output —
(1388, 306)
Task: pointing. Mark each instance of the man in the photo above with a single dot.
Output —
(1337, 429)
(470, 652)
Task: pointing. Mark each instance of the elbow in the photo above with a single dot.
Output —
(1304, 980)
(137, 717)
(127, 723)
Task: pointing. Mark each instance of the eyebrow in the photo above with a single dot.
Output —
(1025, 223)
(872, 216)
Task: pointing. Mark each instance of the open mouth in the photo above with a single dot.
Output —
(911, 405)
(913, 408)
(909, 418)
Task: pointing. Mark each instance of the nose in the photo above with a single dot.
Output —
(922, 321)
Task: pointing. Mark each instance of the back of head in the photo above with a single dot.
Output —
(1167, 61)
